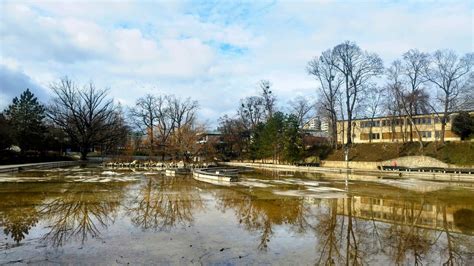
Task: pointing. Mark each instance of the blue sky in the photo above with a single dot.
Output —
(212, 51)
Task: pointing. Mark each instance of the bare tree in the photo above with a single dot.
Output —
(183, 112)
(357, 67)
(268, 97)
(404, 99)
(86, 115)
(144, 115)
(414, 65)
(183, 116)
(251, 111)
(323, 69)
(302, 108)
(234, 135)
(393, 100)
(373, 105)
(451, 75)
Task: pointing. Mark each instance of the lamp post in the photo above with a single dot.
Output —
(346, 157)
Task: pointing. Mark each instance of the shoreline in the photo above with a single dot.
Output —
(432, 176)
(27, 166)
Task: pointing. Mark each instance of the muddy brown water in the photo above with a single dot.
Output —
(89, 215)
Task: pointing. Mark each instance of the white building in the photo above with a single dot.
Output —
(313, 124)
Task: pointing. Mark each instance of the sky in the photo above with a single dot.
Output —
(212, 51)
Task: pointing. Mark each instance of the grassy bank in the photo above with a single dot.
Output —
(459, 153)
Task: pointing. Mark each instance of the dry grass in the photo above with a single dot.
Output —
(460, 153)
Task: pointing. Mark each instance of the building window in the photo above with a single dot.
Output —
(375, 123)
(425, 134)
(375, 136)
(422, 121)
(437, 120)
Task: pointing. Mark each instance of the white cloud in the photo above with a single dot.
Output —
(213, 53)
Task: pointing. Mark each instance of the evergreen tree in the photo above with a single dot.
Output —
(6, 133)
(463, 125)
(26, 116)
(272, 137)
(293, 142)
(256, 142)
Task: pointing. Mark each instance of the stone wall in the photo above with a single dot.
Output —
(407, 161)
(416, 161)
(353, 165)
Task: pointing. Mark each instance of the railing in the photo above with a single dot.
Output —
(429, 170)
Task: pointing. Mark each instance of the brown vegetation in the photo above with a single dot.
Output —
(460, 153)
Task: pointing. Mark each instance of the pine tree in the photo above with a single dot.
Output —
(26, 116)
(293, 143)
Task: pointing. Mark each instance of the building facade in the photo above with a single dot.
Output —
(313, 124)
(397, 129)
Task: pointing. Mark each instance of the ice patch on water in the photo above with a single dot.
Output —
(253, 184)
(110, 173)
(325, 189)
(319, 192)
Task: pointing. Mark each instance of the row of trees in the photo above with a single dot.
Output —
(351, 82)
(84, 118)
(261, 131)
(351, 85)
(80, 118)
(169, 124)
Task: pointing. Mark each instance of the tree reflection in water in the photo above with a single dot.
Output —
(82, 210)
(18, 214)
(260, 213)
(164, 202)
(343, 239)
(355, 230)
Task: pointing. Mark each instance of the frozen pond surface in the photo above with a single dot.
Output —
(88, 215)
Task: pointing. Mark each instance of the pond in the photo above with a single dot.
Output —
(90, 215)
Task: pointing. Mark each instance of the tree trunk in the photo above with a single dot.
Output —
(443, 121)
(349, 131)
(334, 132)
(443, 129)
(84, 151)
(151, 142)
(370, 130)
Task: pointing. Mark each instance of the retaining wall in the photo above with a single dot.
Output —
(27, 166)
(361, 174)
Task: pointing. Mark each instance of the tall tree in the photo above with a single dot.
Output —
(394, 101)
(271, 139)
(373, 105)
(407, 102)
(292, 141)
(86, 115)
(450, 74)
(145, 116)
(357, 68)
(323, 69)
(26, 116)
(251, 111)
(301, 108)
(269, 99)
(235, 136)
(6, 133)
(414, 65)
(183, 115)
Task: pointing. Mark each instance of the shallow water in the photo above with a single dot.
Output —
(89, 215)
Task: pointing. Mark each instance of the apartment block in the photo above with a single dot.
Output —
(397, 129)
